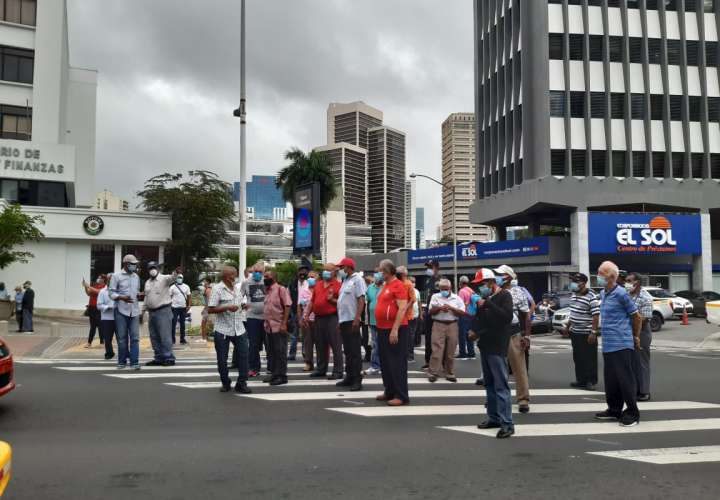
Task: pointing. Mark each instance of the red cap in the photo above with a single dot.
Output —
(483, 275)
(347, 261)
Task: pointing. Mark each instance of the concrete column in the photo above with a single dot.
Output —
(579, 251)
(161, 254)
(702, 264)
(534, 229)
(501, 233)
(118, 257)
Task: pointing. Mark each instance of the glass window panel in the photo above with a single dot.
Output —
(711, 53)
(25, 72)
(617, 105)
(677, 165)
(674, 49)
(556, 45)
(10, 68)
(9, 124)
(696, 165)
(658, 166)
(656, 106)
(695, 108)
(654, 51)
(638, 158)
(27, 15)
(576, 47)
(599, 161)
(596, 47)
(676, 107)
(637, 105)
(616, 49)
(598, 105)
(9, 189)
(12, 11)
(578, 162)
(618, 163)
(557, 162)
(577, 104)
(635, 50)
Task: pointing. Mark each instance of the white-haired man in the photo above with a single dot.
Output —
(445, 309)
(620, 326)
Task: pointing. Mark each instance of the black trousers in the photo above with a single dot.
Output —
(107, 331)
(94, 317)
(326, 337)
(277, 344)
(351, 347)
(394, 363)
(620, 382)
(585, 358)
(366, 341)
(412, 326)
(222, 347)
(428, 338)
(18, 318)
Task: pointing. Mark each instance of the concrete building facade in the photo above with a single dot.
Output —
(106, 200)
(410, 214)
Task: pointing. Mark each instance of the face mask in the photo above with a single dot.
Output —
(311, 282)
(303, 277)
(268, 281)
(484, 291)
(132, 268)
(429, 272)
(574, 287)
(152, 272)
(179, 281)
(499, 280)
(629, 287)
(257, 276)
(514, 282)
(445, 293)
(378, 277)
(342, 274)
(326, 275)
(98, 281)
(602, 281)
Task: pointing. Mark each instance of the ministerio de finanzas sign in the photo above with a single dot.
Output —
(36, 161)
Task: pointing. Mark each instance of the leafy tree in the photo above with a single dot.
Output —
(251, 257)
(305, 168)
(201, 207)
(16, 229)
(286, 271)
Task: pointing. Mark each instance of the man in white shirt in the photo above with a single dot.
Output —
(180, 296)
(226, 302)
(350, 305)
(157, 303)
(445, 309)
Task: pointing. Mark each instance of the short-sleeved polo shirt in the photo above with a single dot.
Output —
(353, 287)
(616, 308)
(387, 308)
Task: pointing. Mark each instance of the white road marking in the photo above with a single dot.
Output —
(476, 393)
(570, 429)
(431, 410)
(144, 368)
(310, 382)
(664, 456)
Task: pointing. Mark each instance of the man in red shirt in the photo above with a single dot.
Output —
(92, 310)
(324, 305)
(392, 326)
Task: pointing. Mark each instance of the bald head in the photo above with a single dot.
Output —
(609, 271)
(329, 267)
(229, 273)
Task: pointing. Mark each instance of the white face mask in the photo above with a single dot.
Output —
(514, 282)
(153, 272)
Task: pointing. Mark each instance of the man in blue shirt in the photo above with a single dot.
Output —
(621, 324)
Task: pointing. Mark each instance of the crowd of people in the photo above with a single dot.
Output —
(24, 304)
(339, 311)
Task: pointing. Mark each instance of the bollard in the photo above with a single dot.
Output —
(3, 328)
(54, 329)
(685, 321)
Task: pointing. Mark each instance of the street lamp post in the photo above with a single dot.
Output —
(454, 225)
(241, 113)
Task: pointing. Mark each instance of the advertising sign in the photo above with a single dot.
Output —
(306, 219)
(644, 234)
(483, 251)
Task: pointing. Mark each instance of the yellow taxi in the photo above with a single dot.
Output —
(5, 465)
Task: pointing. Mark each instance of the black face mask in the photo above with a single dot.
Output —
(303, 276)
(268, 281)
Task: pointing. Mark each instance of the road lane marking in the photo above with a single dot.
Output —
(319, 383)
(574, 429)
(476, 393)
(152, 368)
(665, 456)
(431, 410)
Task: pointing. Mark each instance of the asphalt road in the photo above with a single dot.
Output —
(84, 435)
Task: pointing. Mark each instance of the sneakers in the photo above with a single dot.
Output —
(488, 425)
(371, 371)
(135, 368)
(505, 433)
(606, 416)
(154, 362)
(628, 420)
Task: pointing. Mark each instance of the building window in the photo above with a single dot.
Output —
(34, 193)
(676, 107)
(658, 164)
(638, 158)
(557, 162)
(577, 104)
(599, 161)
(598, 105)
(17, 65)
(714, 109)
(692, 48)
(677, 165)
(576, 47)
(715, 166)
(711, 53)
(656, 106)
(578, 163)
(15, 123)
(637, 106)
(596, 48)
(618, 163)
(635, 50)
(556, 45)
(616, 49)
(557, 103)
(654, 51)
(18, 11)
(695, 106)
(674, 49)
(617, 105)
(696, 165)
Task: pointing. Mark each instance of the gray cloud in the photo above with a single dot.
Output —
(169, 79)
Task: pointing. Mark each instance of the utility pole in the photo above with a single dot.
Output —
(241, 113)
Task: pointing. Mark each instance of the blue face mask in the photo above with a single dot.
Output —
(445, 293)
(311, 282)
(484, 291)
(378, 277)
(179, 281)
(326, 275)
(574, 287)
(499, 280)
(342, 274)
(602, 281)
(132, 268)
(257, 276)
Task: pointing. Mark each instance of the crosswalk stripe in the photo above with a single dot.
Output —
(664, 456)
(574, 429)
(476, 393)
(127, 375)
(152, 368)
(310, 382)
(432, 410)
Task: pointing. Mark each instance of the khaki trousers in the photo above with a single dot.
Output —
(516, 357)
(444, 343)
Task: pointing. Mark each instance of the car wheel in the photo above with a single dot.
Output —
(656, 322)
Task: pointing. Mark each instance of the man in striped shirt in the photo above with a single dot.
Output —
(641, 364)
(582, 328)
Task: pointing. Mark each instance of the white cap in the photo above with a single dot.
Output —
(483, 275)
(130, 258)
(506, 270)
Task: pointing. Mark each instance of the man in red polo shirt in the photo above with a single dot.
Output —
(324, 305)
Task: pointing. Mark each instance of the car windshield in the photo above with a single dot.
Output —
(660, 293)
(711, 295)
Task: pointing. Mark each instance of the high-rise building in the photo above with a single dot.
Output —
(386, 188)
(458, 171)
(601, 117)
(349, 168)
(349, 122)
(263, 197)
(108, 201)
(419, 227)
(410, 214)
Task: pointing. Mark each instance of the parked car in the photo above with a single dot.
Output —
(713, 312)
(678, 303)
(560, 299)
(5, 465)
(7, 379)
(698, 299)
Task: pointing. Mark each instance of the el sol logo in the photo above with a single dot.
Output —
(655, 236)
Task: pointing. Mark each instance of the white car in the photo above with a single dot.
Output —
(662, 311)
(678, 303)
(713, 312)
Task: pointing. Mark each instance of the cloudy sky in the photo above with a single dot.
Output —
(169, 80)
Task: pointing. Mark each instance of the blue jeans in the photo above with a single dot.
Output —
(222, 347)
(255, 332)
(159, 324)
(27, 317)
(178, 313)
(375, 354)
(466, 347)
(127, 331)
(293, 335)
(497, 389)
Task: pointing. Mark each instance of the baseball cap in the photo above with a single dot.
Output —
(130, 258)
(483, 274)
(506, 270)
(347, 261)
(579, 277)
(152, 265)
(432, 263)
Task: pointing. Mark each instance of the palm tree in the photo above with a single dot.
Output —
(305, 168)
